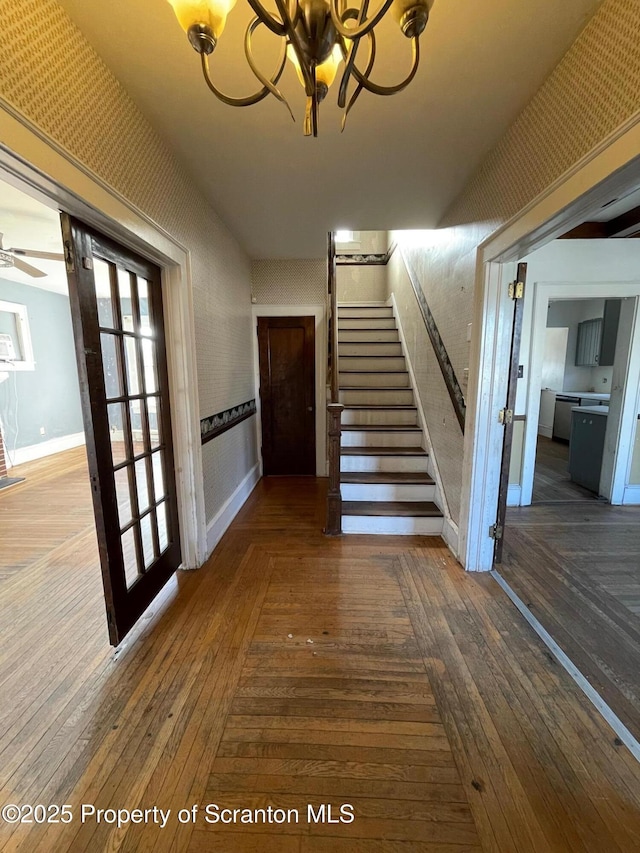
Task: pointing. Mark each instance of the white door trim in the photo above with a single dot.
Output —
(601, 175)
(45, 170)
(318, 312)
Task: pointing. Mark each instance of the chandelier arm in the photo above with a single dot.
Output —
(375, 89)
(294, 39)
(350, 54)
(270, 84)
(237, 102)
(357, 32)
(360, 86)
(267, 18)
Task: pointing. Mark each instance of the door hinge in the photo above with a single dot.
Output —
(496, 531)
(505, 416)
(516, 290)
(68, 256)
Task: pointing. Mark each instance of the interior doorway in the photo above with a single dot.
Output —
(286, 354)
(90, 458)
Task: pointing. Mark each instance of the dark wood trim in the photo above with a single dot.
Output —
(446, 367)
(366, 259)
(625, 225)
(333, 317)
(334, 495)
(215, 425)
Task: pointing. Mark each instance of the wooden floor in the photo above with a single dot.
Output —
(423, 699)
(551, 481)
(577, 568)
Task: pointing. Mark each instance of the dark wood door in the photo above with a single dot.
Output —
(287, 394)
(116, 305)
(517, 294)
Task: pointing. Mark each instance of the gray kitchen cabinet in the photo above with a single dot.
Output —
(588, 344)
(610, 324)
(586, 447)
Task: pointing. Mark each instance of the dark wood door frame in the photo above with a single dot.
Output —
(287, 399)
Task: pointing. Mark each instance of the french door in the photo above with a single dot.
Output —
(116, 306)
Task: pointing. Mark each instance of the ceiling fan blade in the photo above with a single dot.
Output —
(25, 267)
(34, 253)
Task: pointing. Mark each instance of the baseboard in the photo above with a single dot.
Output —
(514, 495)
(631, 496)
(451, 536)
(546, 431)
(218, 525)
(45, 448)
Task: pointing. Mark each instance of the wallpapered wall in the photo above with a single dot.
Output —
(593, 90)
(291, 282)
(68, 92)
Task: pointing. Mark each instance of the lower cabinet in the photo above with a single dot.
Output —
(586, 449)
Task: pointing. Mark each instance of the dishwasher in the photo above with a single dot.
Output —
(562, 416)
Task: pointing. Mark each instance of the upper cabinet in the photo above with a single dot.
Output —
(610, 332)
(596, 344)
(588, 345)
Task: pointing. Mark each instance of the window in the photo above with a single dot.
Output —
(16, 351)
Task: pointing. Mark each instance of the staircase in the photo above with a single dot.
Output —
(385, 482)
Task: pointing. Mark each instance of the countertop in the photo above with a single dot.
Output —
(586, 395)
(591, 410)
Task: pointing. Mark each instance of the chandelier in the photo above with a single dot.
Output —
(316, 36)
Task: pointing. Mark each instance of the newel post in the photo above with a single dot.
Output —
(334, 496)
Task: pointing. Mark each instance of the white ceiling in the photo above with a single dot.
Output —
(27, 224)
(401, 161)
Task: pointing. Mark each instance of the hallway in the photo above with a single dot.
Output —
(423, 700)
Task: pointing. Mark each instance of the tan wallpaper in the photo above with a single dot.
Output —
(594, 89)
(68, 92)
(362, 284)
(291, 282)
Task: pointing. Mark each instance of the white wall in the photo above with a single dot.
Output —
(569, 313)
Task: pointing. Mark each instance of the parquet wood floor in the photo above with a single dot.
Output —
(424, 701)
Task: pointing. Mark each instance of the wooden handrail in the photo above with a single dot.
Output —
(442, 356)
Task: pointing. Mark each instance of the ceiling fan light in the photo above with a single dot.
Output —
(205, 15)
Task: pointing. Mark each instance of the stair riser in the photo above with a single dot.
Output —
(384, 463)
(378, 396)
(375, 417)
(386, 492)
(374, 380)
(345, 350)
(381, 439)
(389, 526)
(378, 365)
(362, 312)
(365, 323)
(368, 336)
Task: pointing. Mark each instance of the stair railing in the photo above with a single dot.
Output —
(334, 421)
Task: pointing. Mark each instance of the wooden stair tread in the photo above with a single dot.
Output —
(380, 428)
(406, 478)
(376, 372)
(406, 509)
(375, 388)
(383, 451)
(363, 407)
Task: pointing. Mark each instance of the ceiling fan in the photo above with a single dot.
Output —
(13, 258)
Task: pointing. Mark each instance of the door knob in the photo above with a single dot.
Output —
(309, 408)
